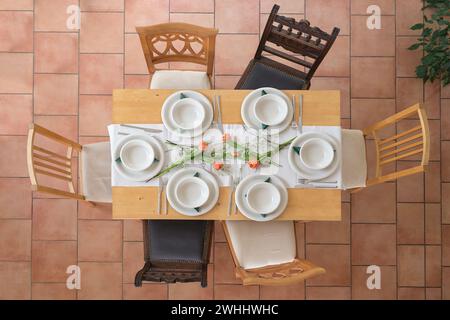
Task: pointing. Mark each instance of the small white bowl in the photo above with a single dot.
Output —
(192, 192)
(188, 113)
(263, 197)
(137, 155)
(316, 154)
(270, 109)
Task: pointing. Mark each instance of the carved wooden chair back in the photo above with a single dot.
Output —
(273, 275)
(178, 42)
(298, 37)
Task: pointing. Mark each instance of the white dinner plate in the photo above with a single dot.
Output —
(246, 184)
(297, 165)
(206, 177)
(148, 173)
(247, 109)
(169, 123)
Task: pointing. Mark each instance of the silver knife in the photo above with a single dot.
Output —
(141, 128)
(300, 112)
(160, 190)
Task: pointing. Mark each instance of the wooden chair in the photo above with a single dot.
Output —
(404, 145)
(298, 38)
(178, 42)
(51, 158)
(265, 253)
(176, 251)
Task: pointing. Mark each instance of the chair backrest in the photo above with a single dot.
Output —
(172, 42)
(404, 145)
(273, 275)
(50, 162)
(297, 37)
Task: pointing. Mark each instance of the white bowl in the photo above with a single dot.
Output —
(192, 192)
(188, 113)
(137, 155)
(263, 197)
(270, 109)
(316, 154)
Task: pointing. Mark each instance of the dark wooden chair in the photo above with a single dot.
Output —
(176, 251)
(306, 46)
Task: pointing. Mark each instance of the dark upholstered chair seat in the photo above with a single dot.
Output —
(176, 240)
(261, 75)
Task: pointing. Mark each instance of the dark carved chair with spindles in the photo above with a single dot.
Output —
(176, 251)
(303, 45)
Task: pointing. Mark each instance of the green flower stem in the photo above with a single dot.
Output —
(191, 153)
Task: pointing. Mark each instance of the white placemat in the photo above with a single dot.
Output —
(283, 171)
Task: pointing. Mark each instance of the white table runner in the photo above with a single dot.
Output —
(283, 171)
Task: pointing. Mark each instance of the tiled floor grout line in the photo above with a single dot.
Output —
(123, 86)
(350, 116)
(396, 165)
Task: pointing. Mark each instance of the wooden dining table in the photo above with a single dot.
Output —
(143, 106)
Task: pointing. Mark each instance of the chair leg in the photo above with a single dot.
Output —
(204, 280)
(138, 278)
(140, 274)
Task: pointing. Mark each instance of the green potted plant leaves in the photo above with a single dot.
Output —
(434, 40)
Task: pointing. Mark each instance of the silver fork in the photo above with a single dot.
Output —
(294, 124)
(219, 114)
(214, 121)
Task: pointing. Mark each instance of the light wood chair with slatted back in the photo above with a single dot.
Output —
(404, 145)
(178, 42)
(48, 167)
(265, 253)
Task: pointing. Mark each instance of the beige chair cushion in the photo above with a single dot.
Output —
(260, 244)
(354, 164)
(96, 172)
(176, 79)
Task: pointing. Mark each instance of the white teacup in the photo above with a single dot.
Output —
(270, 109)
(137, 155)
(188, 113)
(192, 192)
(316, 154)
(263, 197)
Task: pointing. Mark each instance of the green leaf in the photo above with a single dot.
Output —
(156, 159)
(414, 46)
(182, 96)
(296, 150)
(263, 92)
(196, 174)
(197, 209)
(268, 180)
(417, 26)
(421, 71)
(264, 126)
(118, 160)
(264, 215)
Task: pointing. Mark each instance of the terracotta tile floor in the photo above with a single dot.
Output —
(63, 79)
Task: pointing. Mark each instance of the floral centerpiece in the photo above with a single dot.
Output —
(222, 154)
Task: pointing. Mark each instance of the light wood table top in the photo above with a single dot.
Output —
(320, 108)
